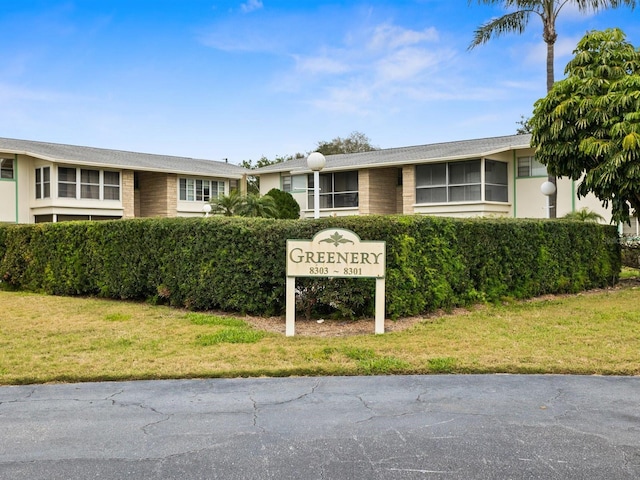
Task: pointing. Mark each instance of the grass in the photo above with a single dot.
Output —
(55, 339)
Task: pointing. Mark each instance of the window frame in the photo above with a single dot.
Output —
(80, 183)
(328, 197)
(89, 187)
(199, 190)
(531, 167)
(42, 184)
(11, 168)
(443, 188)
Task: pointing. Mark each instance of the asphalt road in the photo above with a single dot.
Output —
(408, 427)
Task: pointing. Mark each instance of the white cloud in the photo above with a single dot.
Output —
(390, 36)
(408, 63)
(323, 65)
(251, 6)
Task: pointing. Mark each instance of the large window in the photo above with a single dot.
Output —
(6, 168)
(43, 182)
(530, 167)
(87, 184)
(461, 182)
(200, 190)
(337, 190)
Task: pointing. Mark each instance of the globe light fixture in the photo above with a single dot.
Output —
(548, 189)
(316, 162)
(206, 209)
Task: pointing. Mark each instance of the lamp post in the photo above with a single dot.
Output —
(316, 162)
(206, 209)
(548, 189)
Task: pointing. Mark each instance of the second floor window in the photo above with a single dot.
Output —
(43, 182)
(83, 183)
(200, 190)
(337, 190)
(530, 167)
(6, 168)
(462, 182)
(67, 182)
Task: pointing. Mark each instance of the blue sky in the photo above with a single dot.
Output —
(250, 78)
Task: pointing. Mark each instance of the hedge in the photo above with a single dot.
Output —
(238, 264)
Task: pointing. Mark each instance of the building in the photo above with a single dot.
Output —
(496, 177)
(48, 182)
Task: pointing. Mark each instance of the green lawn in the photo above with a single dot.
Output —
(54, 339)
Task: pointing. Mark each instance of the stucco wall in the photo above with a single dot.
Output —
(8, 201)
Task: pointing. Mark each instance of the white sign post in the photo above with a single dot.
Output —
(335, 253)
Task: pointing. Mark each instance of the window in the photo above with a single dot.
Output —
(111, 185)
(495, 181)
(337, 190)
(461, 182)
(43, 182)
(448, 182)
(286, 183)
(200, 190)
(86, 184)
(90, 184)
(6, 168)
(530, 167)
(66, 182)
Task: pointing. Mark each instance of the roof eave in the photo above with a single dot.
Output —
(47, 158)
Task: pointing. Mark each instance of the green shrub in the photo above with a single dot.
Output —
(287, 207)
(238, 264)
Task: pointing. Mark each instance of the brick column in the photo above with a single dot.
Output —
(127, 194)
(408, 189)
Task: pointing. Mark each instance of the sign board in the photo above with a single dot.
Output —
(336, 253)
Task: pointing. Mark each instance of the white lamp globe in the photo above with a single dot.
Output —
(316, 161)
(548, 188)
(206, 209)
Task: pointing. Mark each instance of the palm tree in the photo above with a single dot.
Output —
(585, 215)
(227, 205)
(548, 11)
(257, 206)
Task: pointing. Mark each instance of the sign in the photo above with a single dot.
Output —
(336, 253)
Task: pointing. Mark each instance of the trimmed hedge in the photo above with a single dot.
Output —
(238, 264)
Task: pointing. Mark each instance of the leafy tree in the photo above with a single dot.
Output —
(355, 143)
(285, 203)
(584, 215)
(588, 125)
(525, 125)
(253, 183)
(548, 11)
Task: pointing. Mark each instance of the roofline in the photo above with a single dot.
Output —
(121, 167)
(306, 170)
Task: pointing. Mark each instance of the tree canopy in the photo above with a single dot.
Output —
(356, 142)
(517, 20)
(588, 126)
